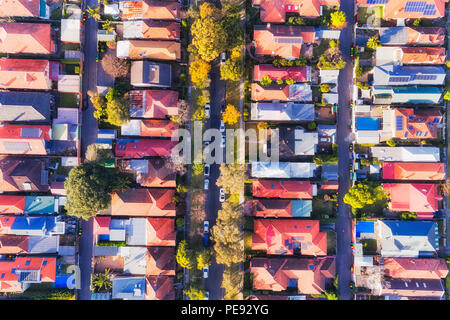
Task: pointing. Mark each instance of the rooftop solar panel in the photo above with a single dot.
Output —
(399, 123)
(399, 79)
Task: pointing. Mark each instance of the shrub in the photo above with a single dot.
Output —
(289, 81)
(391, 143)
(202, 101)
(266, 81)
(280, 81)
(312, 125)
(363, 85)
(179, 222)
(337, 19)
(373, 43)
(324, 88)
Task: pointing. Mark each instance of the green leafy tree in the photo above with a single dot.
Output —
(331, 295)
(118, 111)
(89, 187)
(204, 259)
(101, 282)
(197, 168)
(233, 177)
(325, 87)
(208, 10)
(231, 115)
(94, 12)
(266, 81)
(231, 70)
(199, 114)
(373, 43)
(361, 195)
(232, 282)
(97, 154)
(184, 255)
(108, 26)
(207, 38)
(199, 70)
(195, 293)
(337, 19)
(447, 95)
(289, 81)
(408, 216)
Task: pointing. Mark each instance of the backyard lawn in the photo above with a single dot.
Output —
(68, 99)
(370, 15)
(331, 243)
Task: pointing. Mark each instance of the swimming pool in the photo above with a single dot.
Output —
(64, 281)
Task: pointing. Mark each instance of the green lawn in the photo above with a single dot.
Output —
(319, 50)
(68, 99)
(364, 14)
(369, 246)
(331, 243)
(233, 93)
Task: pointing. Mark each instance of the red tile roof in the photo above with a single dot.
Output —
(20, 8)
(17, 174)
(299, 74)
(160, 30)
(101, 226)
(290, 189)
(159, 288)
(415, 268)
(160, 261)
(160, 232)
(12, 204)
(24, 139)
(139, 148)
(6, 223)
(413, 171)
(154, 103)
(148, 202)
(13, 244)
(310, 275)
(25, 74)
(274, 92)
(426, 35)
(269, 208)
(423, 55)
(281, 236)
(416, 123)
(412, 197)
(30, 38)
(9, 282)
(157, 10)
(158, 128)
(395, 9)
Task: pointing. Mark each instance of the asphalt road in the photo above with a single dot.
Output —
(344, 255)
(212, 203)
(88, 136)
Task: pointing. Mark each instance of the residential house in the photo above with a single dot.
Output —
(160, 261)
(25, 139)
(25, 106)
(149, 202)
(11, 204)
(413, 197)
(16, 275)
(407, 9)
(309, 276)
(406, 154)
(26, 38)
(275, 11)
(266, 111)
(23, 174)
(298, 74)
(421, 289)
(158, 104)
(139, 148)
(408, 239)
(275, 92)
(418, 171)
(146, 9)
(151, 29)
(121, 260)
(413, 268)
(391, 75)
(149, 49)
(149, 128)
(128, 288)
(282, 169)
(24, 8)
(150, 74)
(14, 245)
(287, 189)
(28, 74)
(41, 204)
(159, 288)
(330, 172)
(31, 226)
(278, 208)
(411, 95)
(410, 55)
(150, 173)
(281, 41)
(423, 36)
(296, 141)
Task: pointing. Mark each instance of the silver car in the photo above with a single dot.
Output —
(221, 195)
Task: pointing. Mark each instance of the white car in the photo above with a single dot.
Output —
(223, 58)
(221, 195)
(206, 184)
(206, 295)
(206, 171)
(222, 126)
(205, 272)
(206, 226)
(223, 141)
(207, 110)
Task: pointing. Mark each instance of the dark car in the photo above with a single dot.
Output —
(206, 240)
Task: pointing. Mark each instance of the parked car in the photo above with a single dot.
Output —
(221, 195)
(207, 110)
(361, 156)
(206, 295)
(222, 126)
(324, 139)
(223, 141)
(222, 108)
(205, 272)
(223, 58)
(206, 240)
(206, 226)
(206, 171)
(206, 184)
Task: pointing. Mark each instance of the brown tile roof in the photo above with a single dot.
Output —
(25, 74)
(16, 173)
(158, 173)
(148, 202)
(158, 128)
(161, 30)
(154, 49)
(160, 232)
(160, 261)
(19, 8)
(31, 38)
(283, 189)
(157, 10)
(153, 103)
(159, 288)
(13, 244)
(415, 268)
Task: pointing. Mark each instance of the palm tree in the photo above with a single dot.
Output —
(94, 12)
(373, 43)
(108, 26)
(101, 281)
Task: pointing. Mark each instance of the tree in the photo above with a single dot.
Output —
(363, 85)
(101, 282)
(289, 81)
(197, 168)
(95, 153)
(183, 112)
(207, 38)
(94, 12)
(199, 70)
(233, 177)
(373, 43)
(232, 282)
(208, 10)
(108, 26)
(118, 111)
(231, 70)
(202, 100)
(204, 259)
(184, 255)
(331, 295)
(262, 125)
(232, 27)
(318, 161)
(89, 187)
(266, 81)
(361, 195)
(194, 293)
(199, 114)
(114, 66)
(337, 19)
(447, 95)
(231, 115)
(416, 23)
(325, 87)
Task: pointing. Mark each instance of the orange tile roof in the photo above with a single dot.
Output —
(19, 8)
(31, 38)
(428, 35)
(423, 55)
(156, 103)
(159, 175)
(10, 204)
(15, 173)
(160, 261)
(413, 171)
(158, 128)
(139, 148)
(276, 236)
(154, 49)
(25, 74)
(283, 189)
(269, 208)
(159, 288)
(149, 202)
(395, 9)
(13, 244)
(274, 274)
(32, 138)
(274, 92)
(416, 123)
(412, 268)
(282, 41)
(160, 232)
(157, 10)
(412, 197)
(160, 30)
(299, 74)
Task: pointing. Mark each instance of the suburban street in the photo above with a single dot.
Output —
(344, 255)
(88, 135)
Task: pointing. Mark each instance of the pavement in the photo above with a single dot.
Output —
(88, 136)
(344, 255)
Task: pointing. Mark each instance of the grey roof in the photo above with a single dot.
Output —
(25, 106)
(147, 74)
(416, 285)
(410, 154)
(283, 169)
(330, 171)
(394, 35)
(282, 111)
(128, 288)
(137, 231)
(38, 244)
(408, 75)
(105, 251)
